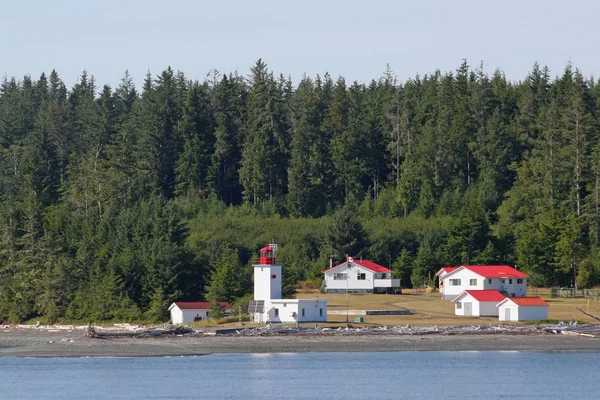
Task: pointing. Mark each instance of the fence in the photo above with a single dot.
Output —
(568, 292)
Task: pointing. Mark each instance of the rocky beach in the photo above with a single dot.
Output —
(73, 342)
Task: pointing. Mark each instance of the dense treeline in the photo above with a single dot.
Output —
(115, 202)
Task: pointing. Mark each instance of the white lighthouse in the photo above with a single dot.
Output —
(267, 275)
(268, 306)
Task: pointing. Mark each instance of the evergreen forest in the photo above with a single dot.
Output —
(115, 202)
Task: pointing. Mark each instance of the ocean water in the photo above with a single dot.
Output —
(435, 375)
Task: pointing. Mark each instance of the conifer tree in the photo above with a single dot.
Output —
(193, 164)
(228, 98)
(263, 165)
(346, 235)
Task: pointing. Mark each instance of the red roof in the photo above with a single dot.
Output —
(199, 305)
(266, 248)
(370, 265)
(528, 301)
(484, 295)
(495, 271)
(446, 270)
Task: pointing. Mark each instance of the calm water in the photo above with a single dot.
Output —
(332, 376)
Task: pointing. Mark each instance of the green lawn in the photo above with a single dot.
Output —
(429, 309)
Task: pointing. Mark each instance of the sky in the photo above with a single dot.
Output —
(353, 39)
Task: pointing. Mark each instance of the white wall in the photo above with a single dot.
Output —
(466, 300)
(488, 309)
(460, 302)
(478, 308)
(179, 316)
(528, 313)
(290, 311)
(176, 316)
(514, 312)
(510, 285)
(465, 275)
(352, 273)
(265, 286)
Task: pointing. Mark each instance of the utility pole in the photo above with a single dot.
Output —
(347, 277)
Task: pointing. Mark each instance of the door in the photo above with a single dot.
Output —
(507, 314)
(468, 309)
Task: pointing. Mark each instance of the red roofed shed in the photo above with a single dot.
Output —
(478, 303)
(522, 309)
(190, 311)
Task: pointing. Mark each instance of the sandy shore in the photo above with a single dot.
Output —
(74, 345)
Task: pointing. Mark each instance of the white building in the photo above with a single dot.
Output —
(297, 310)
(502, 278)
(360, 276)
(478, 303)
(522, 309)
(269, 307)
(182, 312)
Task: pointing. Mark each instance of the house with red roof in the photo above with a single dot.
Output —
(478, 303)
(190, 311)
(360, 276)
(522, 309)
(503, 278)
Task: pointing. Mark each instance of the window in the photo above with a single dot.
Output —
(503, 280)
(320, 312)
(361, 276)
(510, 281)
(490, 281)
(458, 305)
(473, 282)
(303, 312)
(277, 312)
(454, 282)
(519, 281)
(383, 276)
(340, 276)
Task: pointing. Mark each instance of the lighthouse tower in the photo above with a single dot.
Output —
(268, 306)
(267, 275)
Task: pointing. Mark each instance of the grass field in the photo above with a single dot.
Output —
(428, 309)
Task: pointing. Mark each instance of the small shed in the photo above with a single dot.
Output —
(478, 303)
(190, 311)
(522, 309)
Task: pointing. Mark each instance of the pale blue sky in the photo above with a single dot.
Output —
(354, 39)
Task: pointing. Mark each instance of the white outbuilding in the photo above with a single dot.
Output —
(269, 307)
(478, 303)
(522, 309)
(190, 311)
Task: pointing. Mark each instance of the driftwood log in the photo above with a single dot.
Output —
(169, 330)
(589, 315)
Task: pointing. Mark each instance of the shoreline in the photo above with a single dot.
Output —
(45, 345)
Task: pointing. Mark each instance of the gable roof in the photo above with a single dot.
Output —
(490, 271)
(197, 305)
(370, 265)
(526, 301)
(446, 270)
(483, 295)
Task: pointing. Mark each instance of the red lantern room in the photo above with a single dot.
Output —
(267, 255)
